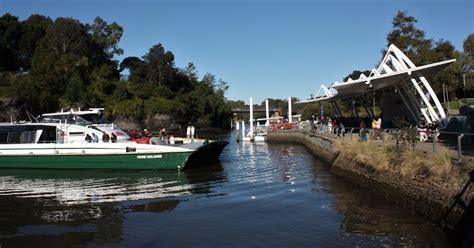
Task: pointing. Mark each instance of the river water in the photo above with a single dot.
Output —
(258, 195)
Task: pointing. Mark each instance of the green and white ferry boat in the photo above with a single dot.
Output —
(64, 146)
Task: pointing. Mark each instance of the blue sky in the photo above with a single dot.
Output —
(263, 48)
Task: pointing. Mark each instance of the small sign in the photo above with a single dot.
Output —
(151, 156)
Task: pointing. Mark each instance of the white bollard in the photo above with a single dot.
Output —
(267, 113)
(251, 118)
(290, 119)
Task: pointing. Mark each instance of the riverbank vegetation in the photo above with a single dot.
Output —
(46, 65)
(407, 162)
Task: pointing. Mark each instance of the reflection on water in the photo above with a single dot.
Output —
(258, 195)
(82, 187)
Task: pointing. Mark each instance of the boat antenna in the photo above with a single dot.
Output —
(30, 116)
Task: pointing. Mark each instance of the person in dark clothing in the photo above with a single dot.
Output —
(105, 137)
(88, 138)
(146, 133)
(113, 138)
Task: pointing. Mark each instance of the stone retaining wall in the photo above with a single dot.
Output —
(426, 197)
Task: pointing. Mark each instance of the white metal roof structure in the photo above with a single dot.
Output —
(395, 71)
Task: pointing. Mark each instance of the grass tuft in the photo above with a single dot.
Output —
(411, 164)
(441, 163)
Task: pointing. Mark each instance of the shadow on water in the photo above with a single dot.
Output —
(365, 213)
(61, 208)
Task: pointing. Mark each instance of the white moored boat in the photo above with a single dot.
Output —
(90, 118)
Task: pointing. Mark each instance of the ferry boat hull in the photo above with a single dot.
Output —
(206, 154)
(143, 161)
(93, 156)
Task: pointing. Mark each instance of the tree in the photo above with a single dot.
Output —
(468, 63)
(130, 63)
(311, 109)
(221, 87)
(66, 36)
(423, 51)
(407, 37)
(70, 64)
(160, 65)
(468, 55)
(10, 34)
(33, 30)
(106, 37)
(180, 82)
(209, 80)
(138, 69)
(191, 72)
(73, 95)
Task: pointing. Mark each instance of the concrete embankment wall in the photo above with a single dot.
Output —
(426, 197)
(319, 146)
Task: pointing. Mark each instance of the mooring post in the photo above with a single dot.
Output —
(459, 146)
(237, 130)
(267, 113)
(290, 115)
(251, 118)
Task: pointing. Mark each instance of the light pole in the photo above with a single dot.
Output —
(464, 87)
(373, 103)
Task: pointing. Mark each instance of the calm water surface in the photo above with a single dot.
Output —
(272, 195)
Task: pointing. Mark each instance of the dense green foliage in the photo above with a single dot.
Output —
(46, 65)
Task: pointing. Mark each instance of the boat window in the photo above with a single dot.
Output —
(14, 138)
(76, 133)
(95, 128)
(82, 121)
(3, 138)
(28, 137)
(94, 118)
(48, 135)
(21, 134)
(53, 119)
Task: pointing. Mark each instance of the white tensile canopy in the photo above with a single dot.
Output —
(395, 71)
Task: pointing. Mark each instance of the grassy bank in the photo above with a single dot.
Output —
(382, 157)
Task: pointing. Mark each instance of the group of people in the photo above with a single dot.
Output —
(105, 138)
(163, 134)
(376, 126)
(334, 125)
(135, 135)
(427, 130)
(337, 126)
